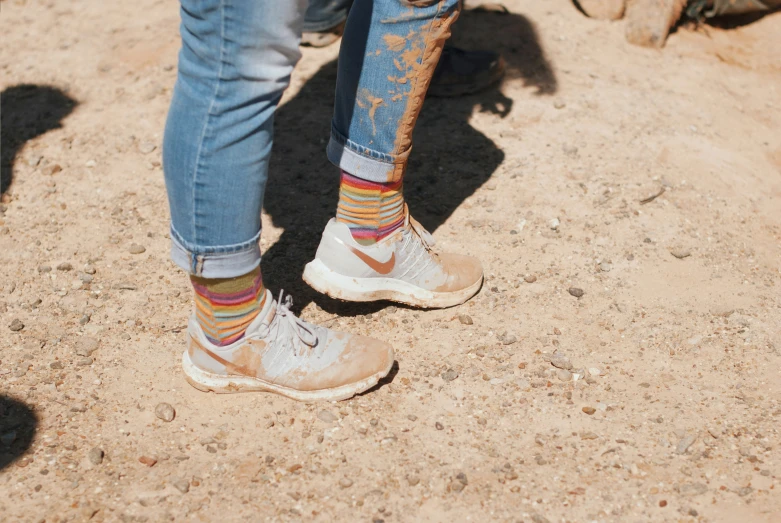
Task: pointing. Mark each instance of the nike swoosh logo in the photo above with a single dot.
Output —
(377, 266)
(236, 369)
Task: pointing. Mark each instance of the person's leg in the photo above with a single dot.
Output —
(373, 250)
(324, 22)
(235, 62)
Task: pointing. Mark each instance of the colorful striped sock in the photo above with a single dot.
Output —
(371, 210)
(225, 307)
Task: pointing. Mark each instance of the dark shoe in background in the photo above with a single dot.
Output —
(460, 72)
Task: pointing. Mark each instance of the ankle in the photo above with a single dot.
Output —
(371, 210)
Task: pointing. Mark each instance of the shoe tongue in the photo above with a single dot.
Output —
(266, 314)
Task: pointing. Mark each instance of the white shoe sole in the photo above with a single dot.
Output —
(341, 287)
(221, 384)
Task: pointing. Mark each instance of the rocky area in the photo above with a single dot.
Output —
(621, 362)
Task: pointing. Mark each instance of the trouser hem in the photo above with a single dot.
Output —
(228, 261)
(363, 162)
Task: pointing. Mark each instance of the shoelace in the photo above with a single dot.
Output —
(286, 323)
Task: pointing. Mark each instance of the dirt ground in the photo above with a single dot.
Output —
(653, 396)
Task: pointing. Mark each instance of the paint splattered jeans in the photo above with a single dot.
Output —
(235, 63)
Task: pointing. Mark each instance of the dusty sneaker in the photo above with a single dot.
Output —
(400, 268)
(283, 354)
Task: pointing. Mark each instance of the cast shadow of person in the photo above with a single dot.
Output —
(450, 159)
(18, 424)
(27, 111)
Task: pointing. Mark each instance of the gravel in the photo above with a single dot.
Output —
(576, 291)
(165, 412)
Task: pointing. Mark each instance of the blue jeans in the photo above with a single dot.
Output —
(325, 14)
(235, 63)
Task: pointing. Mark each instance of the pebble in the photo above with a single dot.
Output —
(569, 150)
(86, 278)
(576, 291)
(449, 375)
(593, 371)
(85, 346)
(52, 169)
(65, 266)
(96, 456)
(165, 412)
(439, 426)
(507, 339)
(564, 375)
(554, 224)
(412, 417)
(713, 432)
(589, 410)
(91, 163)
(680, 252)
(465, 319)
(529, 278)
(146, 147)
(79, 407)
(82, 362)
(56, 365)
(146, 460)
(559, 104)
(182, 486)
(136, 249)
(588, 435)
(345, 483)
(560, 361)
(692, 489)
(44, 268)
(605, 267)
(685, 443)
(413, 480)
(745, 491)
(326, 416)
(16, 325)
(537, 518)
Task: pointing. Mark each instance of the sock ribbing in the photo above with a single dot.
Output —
(225, 307)
(371, 210)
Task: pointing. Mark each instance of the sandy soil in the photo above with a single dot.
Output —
(674, 342)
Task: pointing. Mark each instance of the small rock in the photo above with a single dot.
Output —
(713, 432)
(44, 268)
(564, 375)
(85, 346)
(136, 249)
(86, 278)
(559, 104)
(90, 164)
(345, 483)
(569, 150)
(554, 224)
(326, 416)
(79, 407)
(413, 480)
(605, 267)
(560, 361)
(456, 486)
(439, 426)
(593, 371)
(52, 169)
(65, 266)
(685, 443)
(588, 435)
(575, 291)
(165, 412)
(589, 410)
(182, 486)
(465, 319)
(56, 365)
(507, 339)
(692, 489)
(146, 147)
(680, 252)
(83, 362)
(449, 375)
(16, 325)
(530, 278)
(412, 417)
(537, 518)
(146, 460)
(96, 456)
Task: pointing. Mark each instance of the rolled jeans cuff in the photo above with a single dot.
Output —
(365, 163)
(227, 261)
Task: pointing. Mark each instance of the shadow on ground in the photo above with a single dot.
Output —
(450, 158)
(17, 428)
(27, 111)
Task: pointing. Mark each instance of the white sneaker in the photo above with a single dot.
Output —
(400, 268)
(286, 355)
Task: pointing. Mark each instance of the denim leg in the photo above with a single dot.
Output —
(325, 14)
(235, 62)
(388, 55)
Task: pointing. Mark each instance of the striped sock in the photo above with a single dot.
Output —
(371, 210)
(225, 307)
